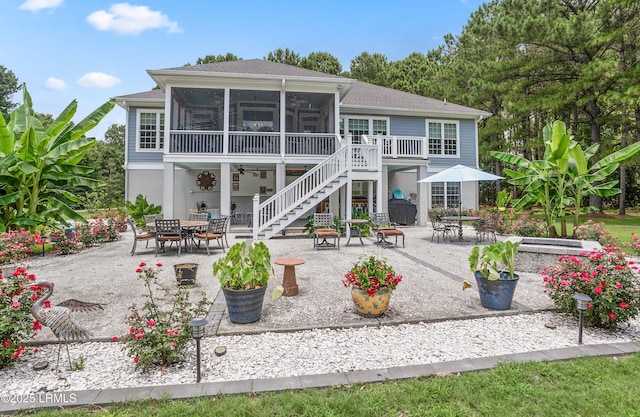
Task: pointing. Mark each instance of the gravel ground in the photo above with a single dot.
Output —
(430, 318)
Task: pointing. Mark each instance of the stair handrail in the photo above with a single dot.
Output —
(312, 182)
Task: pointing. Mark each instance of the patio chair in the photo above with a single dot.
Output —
(144, 235)
(486, 229)
(439, 228)
(325, 228)
(168, 231)
(150, 220)
(199, 217)
(383, 227)
(215, 231)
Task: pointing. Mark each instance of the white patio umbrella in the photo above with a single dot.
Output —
(461, 173)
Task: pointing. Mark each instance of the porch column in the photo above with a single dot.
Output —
(167, 190)
(382, 192)
(283, 122)
(348, 200)
(281, 173)
(225, 122)
(423, 196)
(225, 189)
(369, 190)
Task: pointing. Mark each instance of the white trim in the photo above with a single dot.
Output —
(370, 118)
(157, 112)
(442, 123)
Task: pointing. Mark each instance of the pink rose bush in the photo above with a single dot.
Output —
(612, 281)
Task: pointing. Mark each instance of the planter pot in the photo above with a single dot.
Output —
(186, 274)
(368, 306)
(244, 306)
(7, 270)
(496, 294)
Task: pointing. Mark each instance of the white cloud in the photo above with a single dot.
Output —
(127, 19)
(35, 5)
(98, 79)
(55, 84)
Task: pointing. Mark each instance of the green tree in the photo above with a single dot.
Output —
(322, 62)
(8, 87)
(36, 163)
(210, 59)
(284, 56)
(371, 68)
(107, 160)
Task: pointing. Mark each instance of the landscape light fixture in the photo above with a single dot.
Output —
(197, 331)
(582, 303)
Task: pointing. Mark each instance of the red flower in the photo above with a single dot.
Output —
(114, 339)
(36, 325)
(159, 265)
(47, 304)
(6, 343)
(151, 323)
(589, 305)
(617, 267)
(623, 304)
(139, 335)
(132, 330)
(618, 285)
(15, 304)
(136, 359)
(612, 316)
(598, 290)
(139, 270)
(142, 264)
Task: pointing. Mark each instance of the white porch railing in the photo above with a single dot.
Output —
(401, 146)
(207, 142)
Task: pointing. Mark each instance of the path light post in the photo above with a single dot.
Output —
(582, 301)
(197, 331)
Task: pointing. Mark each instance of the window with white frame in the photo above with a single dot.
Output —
(150, 130)
(449, 192)
(443, 138)
(356, 126)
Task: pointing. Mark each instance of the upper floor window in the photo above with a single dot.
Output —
(358, 126)
(443, 138)
(150, 130)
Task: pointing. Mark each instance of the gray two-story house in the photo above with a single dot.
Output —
(274, 143)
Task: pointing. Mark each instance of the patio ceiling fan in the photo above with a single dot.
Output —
(242, 171)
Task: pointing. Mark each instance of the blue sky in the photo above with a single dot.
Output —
(94, 50)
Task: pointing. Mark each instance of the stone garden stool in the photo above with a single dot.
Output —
(289, 279)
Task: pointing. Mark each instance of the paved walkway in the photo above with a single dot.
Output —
(431, 290)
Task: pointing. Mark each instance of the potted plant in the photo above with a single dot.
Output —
(496, 286)
(372, 281)
(186, 274)
(243, 273)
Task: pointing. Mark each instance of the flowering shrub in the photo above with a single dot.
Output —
(17, 295)
(526, 226)
(16, 245)
(159, 335)
(65, 242)
(115, 219)
(634, 245)
(605, 276)
(97, 231)
(371, 275)
(595, 231)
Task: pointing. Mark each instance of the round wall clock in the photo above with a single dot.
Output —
(206, 181)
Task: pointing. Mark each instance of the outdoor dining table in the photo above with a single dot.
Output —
(460, 219)
(188, 228)
(355, 232)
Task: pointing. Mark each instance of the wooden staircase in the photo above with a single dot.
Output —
(295, 200)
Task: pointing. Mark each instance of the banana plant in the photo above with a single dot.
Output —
(37, 165)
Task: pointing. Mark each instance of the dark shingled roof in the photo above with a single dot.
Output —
(366, 95)
(358, 95)
(256, 67)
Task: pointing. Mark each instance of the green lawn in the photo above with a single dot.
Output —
(581, 387)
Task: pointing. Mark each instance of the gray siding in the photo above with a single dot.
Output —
(416, 126)
(134, 156)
